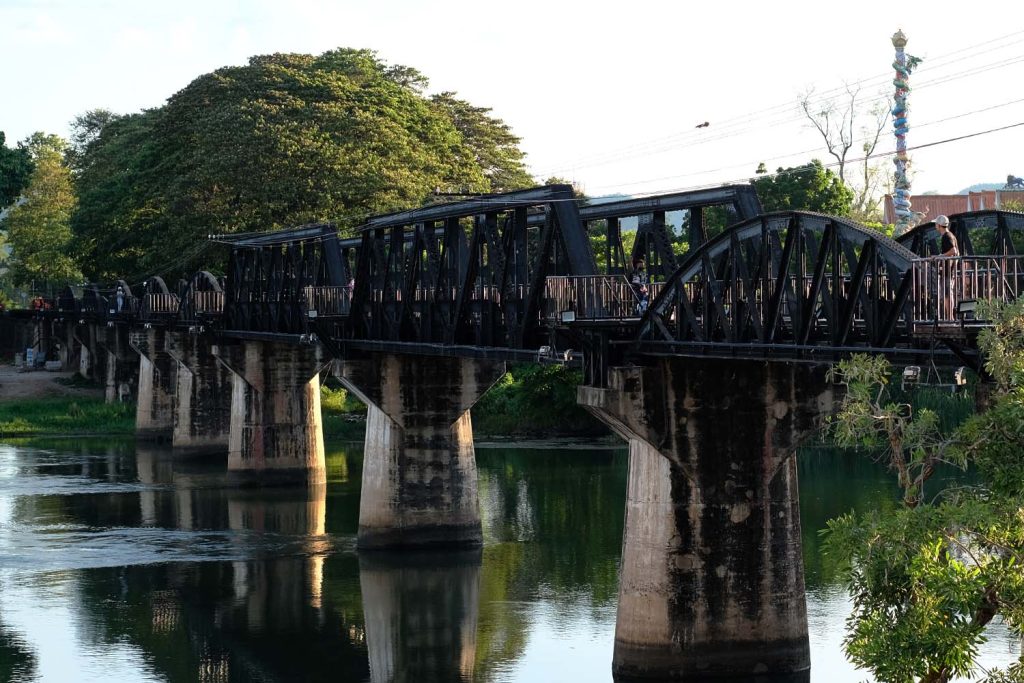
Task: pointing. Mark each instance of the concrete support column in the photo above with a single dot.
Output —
(712, 583)
(419, 484)
(69, 356)
(202, 398)
(276, 430)
(421, 614)
(154, 417)
(113, 360)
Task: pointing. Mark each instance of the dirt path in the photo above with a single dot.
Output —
(38, 384)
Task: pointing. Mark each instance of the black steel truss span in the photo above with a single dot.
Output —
(268, 275)
(788, 280)
(978, 233)
(470, 272)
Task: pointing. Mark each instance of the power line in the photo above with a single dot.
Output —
(692, 138)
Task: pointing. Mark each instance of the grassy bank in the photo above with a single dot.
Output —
(65, 416)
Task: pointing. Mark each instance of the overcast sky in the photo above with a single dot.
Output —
(607, 94)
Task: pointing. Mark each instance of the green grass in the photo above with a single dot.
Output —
(65, 415)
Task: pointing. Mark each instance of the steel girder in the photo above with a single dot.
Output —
(793, 279)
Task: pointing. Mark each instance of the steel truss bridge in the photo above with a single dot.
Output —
(515, 276)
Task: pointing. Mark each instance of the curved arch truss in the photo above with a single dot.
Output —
(792, 279)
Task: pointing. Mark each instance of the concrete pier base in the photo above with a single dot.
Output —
(154, 417)
(202, 405)
(276, 434)
(419, 483)
(712, 583)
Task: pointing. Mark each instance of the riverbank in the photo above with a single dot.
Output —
(58, 404)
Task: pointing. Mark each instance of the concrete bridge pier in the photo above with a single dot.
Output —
(711, 582)
(112, 360)
(154, 417)
(202, 397)
(276, 434)
(419, 484)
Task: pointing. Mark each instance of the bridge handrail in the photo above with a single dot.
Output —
(159, 305)
(327, 301)
(594, 297)
(947, 288)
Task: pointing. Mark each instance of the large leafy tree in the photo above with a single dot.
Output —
(929, 577)
(810, 187)
(39, 228)
(284, 140)
(15, 167)
(494, 147)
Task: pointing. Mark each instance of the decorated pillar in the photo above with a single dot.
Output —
(903, 65)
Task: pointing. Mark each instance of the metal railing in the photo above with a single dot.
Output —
(159, 305)
(947, 289)
(325, 302)
(595, 297)
(207, 303)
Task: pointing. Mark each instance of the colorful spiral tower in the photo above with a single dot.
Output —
(903, 65)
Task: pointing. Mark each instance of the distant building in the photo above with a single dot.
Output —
(948, 204)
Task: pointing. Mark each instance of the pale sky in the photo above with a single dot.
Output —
(607, 94)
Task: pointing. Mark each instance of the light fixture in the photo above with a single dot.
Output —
(911, 375)
(568, 316)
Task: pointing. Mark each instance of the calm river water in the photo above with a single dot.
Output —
(119, 563)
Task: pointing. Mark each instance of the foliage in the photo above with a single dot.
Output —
(85, 132)
(495, 149)
(534, 399)
(39, 229)
(286, 139)
(839, 125)
(341, 413)
(910, 441)
(810, 187)
(15, 168)
(927, 578)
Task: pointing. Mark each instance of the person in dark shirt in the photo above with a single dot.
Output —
(948, 272)
(948, 245)
(639, 283)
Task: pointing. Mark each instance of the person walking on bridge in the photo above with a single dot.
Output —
(948, 245)
(639, 284)
(947, 270)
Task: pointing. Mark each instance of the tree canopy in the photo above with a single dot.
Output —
(39, 229)
(15, 167)
(810, 187)
(286, 139)
(928, 578)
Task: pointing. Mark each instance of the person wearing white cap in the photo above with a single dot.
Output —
(948, 245)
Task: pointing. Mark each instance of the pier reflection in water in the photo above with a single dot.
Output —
(120, 562)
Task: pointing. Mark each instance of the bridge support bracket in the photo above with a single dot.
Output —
(419, 485)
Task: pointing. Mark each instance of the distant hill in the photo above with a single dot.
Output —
(979, 187)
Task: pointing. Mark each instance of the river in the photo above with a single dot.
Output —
(121, 563)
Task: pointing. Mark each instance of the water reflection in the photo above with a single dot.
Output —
(421, 614)
(121, 562)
